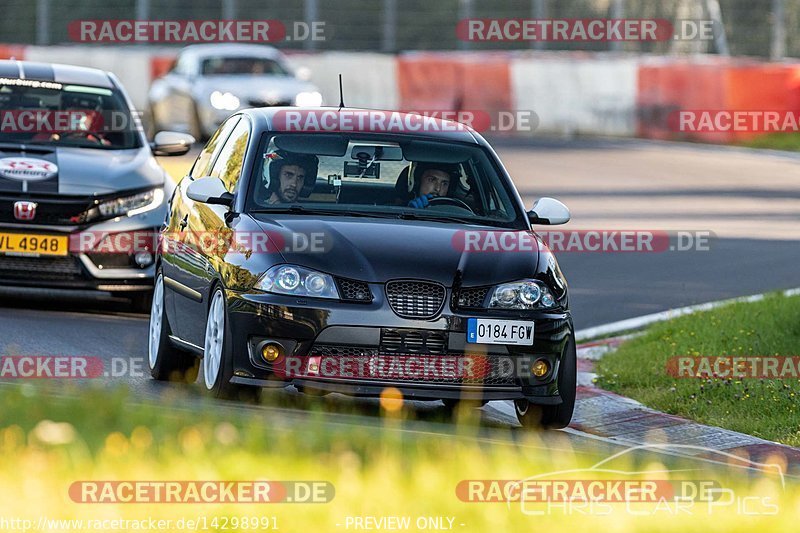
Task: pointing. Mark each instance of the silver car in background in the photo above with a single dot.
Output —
(209, 82)
(78, 181)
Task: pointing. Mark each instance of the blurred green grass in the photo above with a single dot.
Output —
(775, 141)
(383, 467)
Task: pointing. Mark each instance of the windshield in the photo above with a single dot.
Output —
(227, 65)
(369, 176)
(38, 112)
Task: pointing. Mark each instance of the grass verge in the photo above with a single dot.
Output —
(775, 141)
(379, 469)
(766, 408)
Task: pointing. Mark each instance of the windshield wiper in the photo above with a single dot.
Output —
(405, 215)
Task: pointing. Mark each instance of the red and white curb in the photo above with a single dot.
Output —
(624, 421)
(605, 414)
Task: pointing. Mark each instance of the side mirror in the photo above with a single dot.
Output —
(209, 191)
(171, 143)
(549, 212)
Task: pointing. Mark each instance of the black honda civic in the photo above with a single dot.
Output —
(365, 253)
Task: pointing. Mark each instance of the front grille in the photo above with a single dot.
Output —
(413, 341)
(356, 363)
(39, 268)
(335, 350)
(415, 299)
(260, 102)
(112, 260)
(472, 297)
(354, 291)
(52, 211)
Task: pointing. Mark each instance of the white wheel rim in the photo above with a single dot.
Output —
(215, 335)
(156, 318)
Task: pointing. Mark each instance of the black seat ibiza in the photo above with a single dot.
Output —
(393, 257)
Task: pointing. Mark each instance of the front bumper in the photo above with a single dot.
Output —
(312, 332)
(114, 272)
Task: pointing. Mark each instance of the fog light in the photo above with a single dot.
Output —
(270, 352)
(540, 368)
(143, 259)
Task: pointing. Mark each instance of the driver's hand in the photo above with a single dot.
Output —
(421, 202)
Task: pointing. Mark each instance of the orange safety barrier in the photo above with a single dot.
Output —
(766, 87)
(7, 51)
(428, 82)
(664, 90)
(160, 65)
(454, 82)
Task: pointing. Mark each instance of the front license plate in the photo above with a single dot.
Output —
(487, 331)
(27, 244)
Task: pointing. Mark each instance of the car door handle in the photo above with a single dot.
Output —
(184, 222)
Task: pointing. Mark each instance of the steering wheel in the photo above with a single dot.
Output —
(446, 200)
(88, 135)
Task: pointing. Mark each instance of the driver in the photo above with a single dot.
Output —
(285, 176)
(83, 122)
(432, 180)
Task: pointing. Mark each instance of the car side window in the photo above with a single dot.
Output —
(228, 166)
(203, 164)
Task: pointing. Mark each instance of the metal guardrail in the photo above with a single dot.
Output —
(762, 29)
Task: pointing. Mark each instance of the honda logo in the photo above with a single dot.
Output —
(25, 210)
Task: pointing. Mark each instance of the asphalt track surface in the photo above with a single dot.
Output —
(749, 200)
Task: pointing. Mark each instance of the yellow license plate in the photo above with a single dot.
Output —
(27, 244)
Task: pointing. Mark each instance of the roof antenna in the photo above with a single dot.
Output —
(341, 94)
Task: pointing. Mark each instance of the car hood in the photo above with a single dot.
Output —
(379, 250)
(263, 88)
(83, 171)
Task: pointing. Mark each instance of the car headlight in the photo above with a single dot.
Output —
(308, 99)
(297, 281)
(525, 294)
(132, 205)
(227, 101)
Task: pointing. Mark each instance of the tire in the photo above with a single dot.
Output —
(554, 416)
(217, 364)
(166, 362)
(450, 404)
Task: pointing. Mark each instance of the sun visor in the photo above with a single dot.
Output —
(332, 145)
(435, 152)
